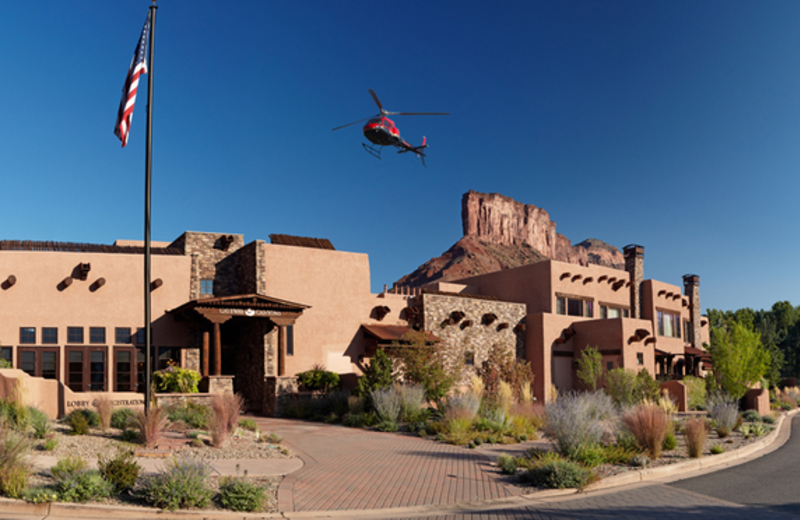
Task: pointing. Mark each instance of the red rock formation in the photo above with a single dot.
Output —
(501, 233)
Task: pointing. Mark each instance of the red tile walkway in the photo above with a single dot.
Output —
(349, 468)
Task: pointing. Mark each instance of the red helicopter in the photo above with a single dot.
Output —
(381, 131)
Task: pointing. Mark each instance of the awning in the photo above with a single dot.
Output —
(394, 333)
(692, 351)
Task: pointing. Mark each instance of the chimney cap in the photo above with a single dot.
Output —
(633, 249)
(692, 279)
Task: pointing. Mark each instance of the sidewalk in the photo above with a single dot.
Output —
(351, 473)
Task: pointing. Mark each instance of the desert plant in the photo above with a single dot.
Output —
(387, 404)
(670, 442)
(751, 416)
(501, 364)
(695, 431)
(84, 486)
(105, 407)
(717, 449)
(14, 466)
(507, 464)
(181, 483)
(240, 495)
(462, 406)
(430, 365)
(590, 367)
(39, 495)
(122, 418)
(193, 415)
(90, 415)
(227, 408)
(724, 411)
(412, 398)
(505, 396)
(68, 466)
(151, 425)
(576, 420)
(50, 442)
(621, 385)
(768, 419)
(648, 423)
(122, 470)
(40, 423)
(248, 424)
(175, 379)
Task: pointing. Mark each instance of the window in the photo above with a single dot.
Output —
(669, 324)
(140, 336)
(5, 353)
(74, 334)
(290, 340)
(39, 361)
(167, 354)
(86, 369)
(27, 335)
(207, 286)
(469, 359)
(574, 306)
(126, 376)
(640, 358)
(122, 335)
(610, 365)
(609, 312)
(97, 335)
(49, 335)
(688, 333)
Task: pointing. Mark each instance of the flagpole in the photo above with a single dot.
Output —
(148, 163)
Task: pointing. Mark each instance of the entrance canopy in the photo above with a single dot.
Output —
(216, 311)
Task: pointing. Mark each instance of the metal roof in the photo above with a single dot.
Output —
(289, 240)
(394, 333)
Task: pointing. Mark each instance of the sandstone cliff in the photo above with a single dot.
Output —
(501, 233)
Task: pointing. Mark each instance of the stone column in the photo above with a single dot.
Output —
(634, 264)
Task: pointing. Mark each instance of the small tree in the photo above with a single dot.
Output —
(590, 367)
(426, 365)
(378, 374)
(739, 358)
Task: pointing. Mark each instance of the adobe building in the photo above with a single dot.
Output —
(635, 323)
(250, 316)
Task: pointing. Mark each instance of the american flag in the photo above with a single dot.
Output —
(137, 68)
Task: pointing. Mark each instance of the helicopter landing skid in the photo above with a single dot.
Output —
(372, 150)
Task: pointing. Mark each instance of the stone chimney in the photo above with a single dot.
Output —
(634, 264)
(691, 288)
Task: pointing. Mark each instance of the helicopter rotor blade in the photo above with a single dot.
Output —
(354, 123)
(376, 100)
(420, 113)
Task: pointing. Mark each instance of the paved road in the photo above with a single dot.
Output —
(772, 481)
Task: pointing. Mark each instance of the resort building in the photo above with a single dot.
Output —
(249, 316)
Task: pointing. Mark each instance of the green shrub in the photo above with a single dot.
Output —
(507, 464)
(240, 495)
(248, 424)
(40, 495)
(576, 420)
(387, 426)
(130, 435)
(50, 442)
(180, 484)
(122, 418)
(84, 486)
(318, 379)
(620, 385)
(78, 424)
(751, 416)
(670, 442)
(717, 449)
(378, 374)
(175, 379)
(768, 419)
(590, 455)
(620, 454)
(90, 415)
(122, 470)
(68, 466)
(15, 413)
(555, 472)
(196, 416)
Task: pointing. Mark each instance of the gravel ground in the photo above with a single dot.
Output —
(243, 445)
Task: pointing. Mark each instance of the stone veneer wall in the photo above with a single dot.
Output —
(212, 261)
(252, 269)
(275, 390)
(478, 337)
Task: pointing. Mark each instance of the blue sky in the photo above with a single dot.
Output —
(670, 124)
